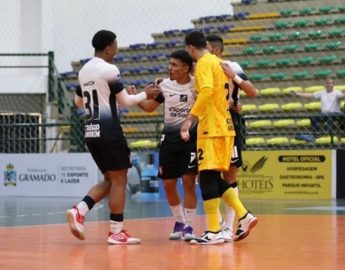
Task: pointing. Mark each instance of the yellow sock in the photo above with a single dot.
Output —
(231, 198)
(211, 208)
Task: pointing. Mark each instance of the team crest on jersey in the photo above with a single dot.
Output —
(183, 98)
(118, 77)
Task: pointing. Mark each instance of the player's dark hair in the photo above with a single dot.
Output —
(216, 41)
(102, 39)
(196, 39)
(184, 57)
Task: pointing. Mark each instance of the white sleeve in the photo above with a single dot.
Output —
(127, 100)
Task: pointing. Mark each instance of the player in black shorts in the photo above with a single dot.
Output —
(232, 70)
(99, 92)
(177, 158)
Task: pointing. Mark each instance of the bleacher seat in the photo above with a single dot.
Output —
(325, 9)
(312, 106)
(257, 77)
(283, 123)
(322, 73)
(314, 88)
(335, 33)
(303, 122)
(299, 75)
(264, 62)
(295, 35)
(295, 141)
(315, 34)
(333, 45)
(277, 141)
(290, 48)
(275, 37)
(255, 141)
(322, 21)
(341, 73)
(312, 47)
(270, 49)
(268, 107)
(340, 87)
(293, 106)
(287, 90)
(278, 76)
(249, 108)
(260, 124)
(285, 62)
(327, 59)
(305, 61)
(270, 91)
(326, 140)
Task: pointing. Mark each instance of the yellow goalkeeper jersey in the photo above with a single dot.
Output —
(212, 102)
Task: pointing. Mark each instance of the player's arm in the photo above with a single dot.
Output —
(78, 98)
(125, 99)
(148, 105)
(241, 79)
(306, 95)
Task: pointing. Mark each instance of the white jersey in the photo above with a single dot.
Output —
(99, 83)
(330, 101)
(178, 100)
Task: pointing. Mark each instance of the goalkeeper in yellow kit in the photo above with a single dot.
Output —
(215, 139)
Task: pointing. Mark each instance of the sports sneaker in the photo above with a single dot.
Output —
(177, 232)
(187, 233)
(245, 225)
(76, 222)
(122, 238)
(228, 235)
(209, 238)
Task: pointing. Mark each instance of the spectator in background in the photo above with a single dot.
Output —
(330, 107)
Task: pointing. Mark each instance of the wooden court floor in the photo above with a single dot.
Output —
(280, 241)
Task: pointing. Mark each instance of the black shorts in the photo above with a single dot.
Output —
(110, 155)
(177, 159)
(236, 157)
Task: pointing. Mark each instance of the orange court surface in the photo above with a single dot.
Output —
(290, 235)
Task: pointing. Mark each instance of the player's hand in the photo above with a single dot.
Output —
(184, 131)
(152, 91)
(131, 90)
(158, 81)
(228, 70)
(237, 108)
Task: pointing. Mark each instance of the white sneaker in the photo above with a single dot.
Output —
(209, 238)
(76, 222)
(122, 238)
(245, 225)
(177, 233)
(228, 235)
(188, 233)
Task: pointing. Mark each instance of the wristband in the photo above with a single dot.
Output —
(237, 79)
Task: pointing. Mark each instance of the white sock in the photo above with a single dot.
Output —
(221, 213)
(189, 215)
(230, 215)
(116, 226)
(83, 208)
(177, 212)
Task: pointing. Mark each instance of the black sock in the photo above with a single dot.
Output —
(89, 201)
(116, 217)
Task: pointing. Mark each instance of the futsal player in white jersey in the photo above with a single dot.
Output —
(99, 92)
(232, 69)
(177, 158)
